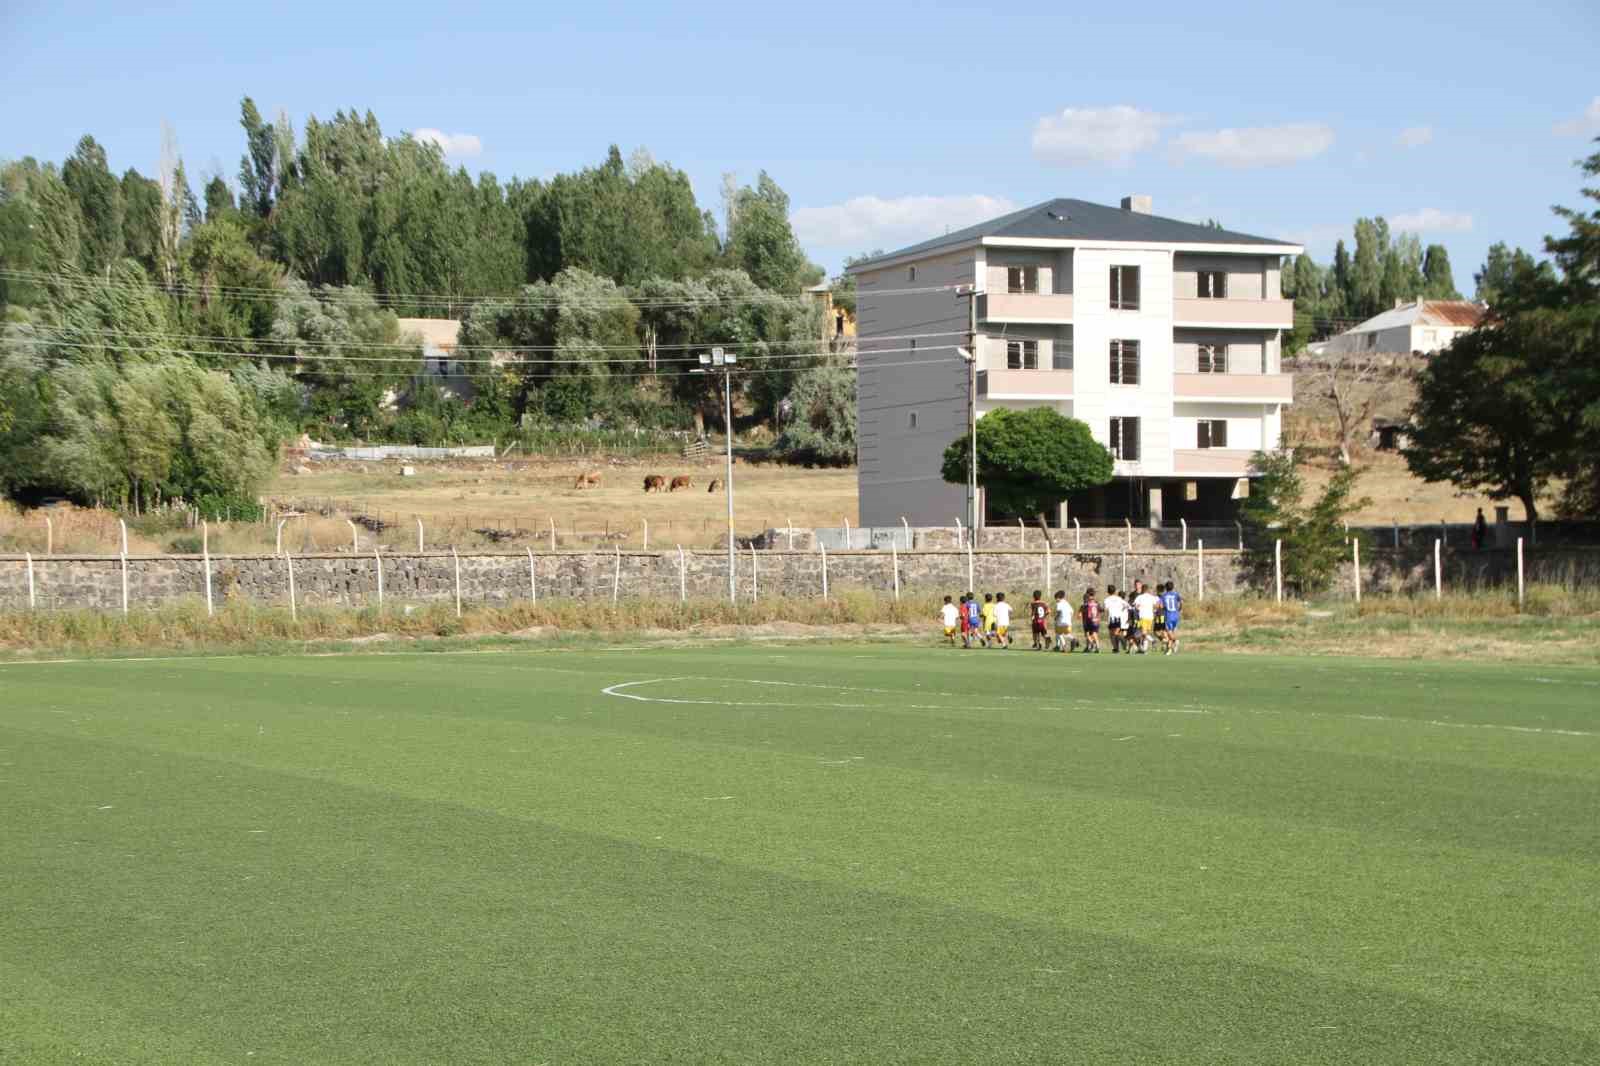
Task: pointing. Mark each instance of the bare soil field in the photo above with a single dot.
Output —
(455, 499)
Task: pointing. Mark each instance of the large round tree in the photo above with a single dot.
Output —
(1030, 460)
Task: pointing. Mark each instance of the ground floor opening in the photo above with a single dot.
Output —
(1144, 502)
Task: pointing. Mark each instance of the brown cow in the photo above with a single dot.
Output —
(716, 483)
(654, 483)
(682, 481)
(588, 480)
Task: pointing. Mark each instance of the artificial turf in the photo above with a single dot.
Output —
(858, 854)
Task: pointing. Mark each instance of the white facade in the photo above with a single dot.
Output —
(1209, 390)
(1424, 326)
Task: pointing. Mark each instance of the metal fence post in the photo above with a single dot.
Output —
(970, 578)
(205, 559)
(1047, 564)
(1519, 575)
(755, 592)
(894, 556)
(646, 522)
(683, 577)
(457, 560)
(1239, 526)
(533, 579)
(32, 603)
(355, 537)
(1200, 567)
(124, 556)
(788, 524)
(278, 550)
(1129, 524)
(1077, 534)
(1439, 572)
(907, 527)
(823, 548)
(1022, 535)
(847, 534)
(1277, 567)
(552, 532)
(1185, 524)
(616, 575)
(1355, 549)
(294, 611)
(49, 536)
(377, 557)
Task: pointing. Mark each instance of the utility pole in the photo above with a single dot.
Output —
(710, 364)
(970, 294)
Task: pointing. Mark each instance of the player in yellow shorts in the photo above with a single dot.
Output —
(949, 616)
(1146, 605)
(986, 618)
(1002, 620)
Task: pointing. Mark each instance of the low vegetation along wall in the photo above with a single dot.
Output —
(345, 580)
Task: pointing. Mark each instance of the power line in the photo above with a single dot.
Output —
(436, 299)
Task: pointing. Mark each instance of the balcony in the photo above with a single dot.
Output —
(1044, 308)
(1211, 462)
(1234, 388)
(1025, 384)
(1243, 314)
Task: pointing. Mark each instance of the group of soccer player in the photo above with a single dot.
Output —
(1135, 624)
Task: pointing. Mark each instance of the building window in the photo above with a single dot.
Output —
(1022, 355)
(1125, 439)
(1125, 288)
(1022, 279)
(1213, 359)
(911, 420)
(1124, 362)
(911, 273)
(1061, 354)
(1212, 433)
(1212, 285)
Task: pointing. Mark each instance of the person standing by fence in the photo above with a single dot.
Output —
(1480, 529)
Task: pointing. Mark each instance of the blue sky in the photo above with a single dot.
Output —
(884, 124)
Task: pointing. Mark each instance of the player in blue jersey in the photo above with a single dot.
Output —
(974, 632)
(1172, 602)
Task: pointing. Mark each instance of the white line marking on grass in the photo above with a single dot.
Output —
(1120, 739)
(616, 690)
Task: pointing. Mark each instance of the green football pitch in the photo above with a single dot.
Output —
(786, 854)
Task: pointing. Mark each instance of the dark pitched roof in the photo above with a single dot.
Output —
(1078, 220)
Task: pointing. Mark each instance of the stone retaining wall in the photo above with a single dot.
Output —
(352, 581)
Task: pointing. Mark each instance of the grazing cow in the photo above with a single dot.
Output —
(682, 481)
(588, 480)
(654, 483)
(716, 483)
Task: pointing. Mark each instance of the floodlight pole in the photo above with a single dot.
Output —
(970, 294)
(709, 364)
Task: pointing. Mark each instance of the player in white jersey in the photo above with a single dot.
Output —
(1116, 611)
(1146, 605)
(1064, 640)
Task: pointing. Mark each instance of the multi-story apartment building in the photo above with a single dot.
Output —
(1163, 336)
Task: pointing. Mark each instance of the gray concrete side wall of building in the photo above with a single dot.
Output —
(96, 582)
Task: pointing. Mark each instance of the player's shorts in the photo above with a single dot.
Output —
(1146, 624)
(1091, 628)
(949, 631)
(966, 626)
(1039, 627)
(1000, 630)
(1161, 623)
(1172, 623)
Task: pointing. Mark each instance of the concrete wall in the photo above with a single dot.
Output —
(1249, 277)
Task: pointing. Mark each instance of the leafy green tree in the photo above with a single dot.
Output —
(762, 243)
(99, 196)
(141, 198)
(818, 423)
(1366, 271)
(1506, 270)
(259, 168)
(230, 290)
(218, 200)
(1313, 533)
(1030, 460)
(1343, 283)
(1438, 282)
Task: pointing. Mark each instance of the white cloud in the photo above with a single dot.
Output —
(1430, 220)
(456, 145)
(1260, 146)
(1414, 136)
(864, 222)
(1584, 124)
(1083, 135)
